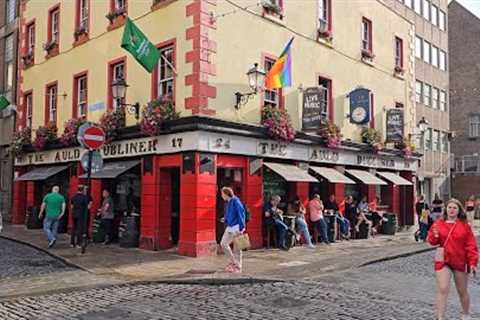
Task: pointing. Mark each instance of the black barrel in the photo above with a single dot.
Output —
(390, 226)
(331, 220)
(129, 232)
(31, 218)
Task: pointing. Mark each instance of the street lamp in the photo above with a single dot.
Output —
(423, 125)
(256, 81)
(119, 91)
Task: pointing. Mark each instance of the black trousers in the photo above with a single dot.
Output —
(108, 229)
(78, 229)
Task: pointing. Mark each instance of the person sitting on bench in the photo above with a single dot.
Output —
(273, 216)
(362, 215)
(332, 206)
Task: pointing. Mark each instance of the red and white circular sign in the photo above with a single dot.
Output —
(94, 138)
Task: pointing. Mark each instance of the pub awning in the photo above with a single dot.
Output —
(41, 173)
(290, 173)
(366, 177)
(112, 170)
(394, 178)
(332, 175)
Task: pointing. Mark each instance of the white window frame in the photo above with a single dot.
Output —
(323, 11)
(31, 38)
(443, 100)
(435, 140)
(166, 75)
(324, 109)
(474, 127)
(271, 97)
(435, 98)
(52, 103)
(426, 10)
(444, 142)
(418, 47)
(418, 91)
(82, 96)
(442, 58)
(428, 139)
(434, 15)
(426, 51)
(442, 20)
(366, 25)
(120, 4)
(398, 52)
(29, 105)
(11, 10)
(83, 18)
(417, 6)
(409, 3)
(434, 56)
(118, 72)
(55, 25)
(427, 94)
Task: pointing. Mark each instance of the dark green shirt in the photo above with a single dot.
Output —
(53, 204)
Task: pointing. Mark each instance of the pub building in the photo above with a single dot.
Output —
(173, 180)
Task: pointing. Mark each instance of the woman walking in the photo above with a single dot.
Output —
(457, 254)
(470, 210)
(234, 218)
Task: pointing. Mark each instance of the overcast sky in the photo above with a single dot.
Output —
(472, 5)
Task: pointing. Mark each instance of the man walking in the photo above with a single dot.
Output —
(107, 214)
(54, 206)
(79, 206)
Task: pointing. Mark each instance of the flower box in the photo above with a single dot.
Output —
(111, 122)
(278, 124)
(117, 18)
(28, 60)
(69, 136)
(399, 70)
(331, 134)
(20, 140)
(45, 135)
(367, 54)
(156, 113)
(51, 48)
(271, 7)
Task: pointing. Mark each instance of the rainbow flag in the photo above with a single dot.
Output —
(280, 76)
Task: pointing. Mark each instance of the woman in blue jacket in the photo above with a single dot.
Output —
(235, 225)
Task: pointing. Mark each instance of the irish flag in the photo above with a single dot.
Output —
(280, 76)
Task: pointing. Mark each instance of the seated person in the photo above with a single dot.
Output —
(297, 209)
(362, 209)
(351, 213)
(316, 216)
(332, 206)
(377, 215)
(273, 216)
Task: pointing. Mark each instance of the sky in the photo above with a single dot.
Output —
(471, 5)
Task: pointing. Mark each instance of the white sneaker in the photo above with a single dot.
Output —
(311, 246)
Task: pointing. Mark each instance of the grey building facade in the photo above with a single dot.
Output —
(9, 11)
(431, 91)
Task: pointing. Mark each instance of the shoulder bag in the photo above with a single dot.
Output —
(440, 252)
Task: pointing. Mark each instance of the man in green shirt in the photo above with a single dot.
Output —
(54, 205)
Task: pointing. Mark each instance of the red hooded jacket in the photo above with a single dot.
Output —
(461, 249)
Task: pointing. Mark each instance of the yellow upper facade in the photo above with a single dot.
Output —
(215, 43)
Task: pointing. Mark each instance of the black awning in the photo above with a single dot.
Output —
(41, 173)
(113, 169)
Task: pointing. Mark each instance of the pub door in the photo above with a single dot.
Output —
(226, 177)
(175, 205)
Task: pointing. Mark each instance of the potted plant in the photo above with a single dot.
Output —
(331, 133)
(20, 139)
(27, 59)
(278, 124)
(81, 33)
(111, 122)
(45, 135)
(399, 70)
(271, 6)
(367, 54)
(116, 18)
(406, 146)
(155, 113)
(69, 136)
(49, 46)
(373, 138)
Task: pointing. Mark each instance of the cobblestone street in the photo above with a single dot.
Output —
(397, 289)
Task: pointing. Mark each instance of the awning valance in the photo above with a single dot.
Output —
(113, 169)
(365, 177)
(394, 178)
(332, 175)
(41, 173)
(290, 173)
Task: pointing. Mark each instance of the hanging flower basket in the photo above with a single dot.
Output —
(278, 124)
(69, 136)
(20, 139)
(406, 146)
(330, 132)
(45, 135)
(111, 122)
(155, 113)
(373, 138)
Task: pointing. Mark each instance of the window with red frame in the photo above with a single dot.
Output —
(31, 38)
(54, 26)
(81, 91)
(271, 98)
(324, 15)
(117, 72)
(28, 98)
(165, 73)
(326, 84)
(82, 15)
(398, 52)
(367, 44)
(52, 104)
(118, 5)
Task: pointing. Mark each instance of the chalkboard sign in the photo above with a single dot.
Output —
(360, 100)
(314, 104)
(395, 123)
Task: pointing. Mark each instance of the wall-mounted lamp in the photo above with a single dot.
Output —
(422, 126)
(256, 81)
(119, 91)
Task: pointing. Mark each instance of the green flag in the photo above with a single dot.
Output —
(135, 42)
(4, 103)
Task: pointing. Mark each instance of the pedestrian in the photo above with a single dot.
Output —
(79, 207)
(437, 208)
(457, 254)
(470, 210)
(107, 214)
(297, 209)
(362, 209)
(423, 213)
(351, 212)
(234, 218)
(54, 205)
(316, 216)
(273, 216)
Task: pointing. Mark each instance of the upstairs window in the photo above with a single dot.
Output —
(418, 91)
(51, 107)
(28, 98)
(11, 11)
(418, 47)
(31, 38)
(435, 98)
(398, 52)
(324, 15)
(434, 15)
(436, 140)
(326, 84)
(271, 97)
(81, 96)
(443, 101)
(54, 25)
(443, 60)
(166, 75)
(434, 56)
(417, 6)
(426, 51)
(117, 72)
(82, 15)
(427, 95)
(409, 3)
(444, 138)
(119, 5)
(474, 131)
(428, 139)
(442, 20)
(367, 44)
(426, 9)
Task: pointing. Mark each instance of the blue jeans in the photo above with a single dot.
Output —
(50, 226)
(344, 225)
(281, 229)
(302, 225)
(423, 231)
(321, 226)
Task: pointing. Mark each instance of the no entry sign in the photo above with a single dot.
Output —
(94, 138)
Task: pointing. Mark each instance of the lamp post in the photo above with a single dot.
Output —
(119, 91)
(256, 81)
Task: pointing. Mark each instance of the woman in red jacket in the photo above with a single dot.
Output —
(460, 256)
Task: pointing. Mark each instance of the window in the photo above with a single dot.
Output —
(442, 20)
(51, 115)
(398, 52)
(474, 126)
(421, 141)
(82, 15)
(324, 15)
(443, 100)
(327, 98)
(428, 139)
(11, 10)
(426, 51)
(81, 95)
(31, 38)
(117, 72)
(436, 140)
(434, 56)
(119, 4)
(444, 138)
(29, 108)
(398, 105)
(271, 97)
(418, 91)
(165, 72)
(435, 98)
(427, 94)
(54, 25)
(9, 62)
(426, 9)
(409, 3)
(434, 14)
(418, 47)
(417, 6)
(367, 35)
(443, 61)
